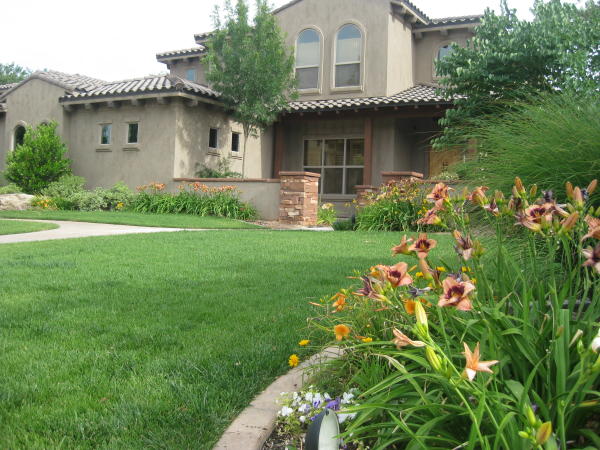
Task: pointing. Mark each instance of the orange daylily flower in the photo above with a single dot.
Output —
(402, 248)
(423, 245)
(402, 340)
(409, 305)
(340, 301)
(478, 195)
(537, 217)
(474, 365)
(593, 224)
(341, 331)
(430, 217)
(398, 275)
(464, 245)
(456, 293)
(593, 257)
(439, 194)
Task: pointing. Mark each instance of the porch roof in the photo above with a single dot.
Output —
(417, 95)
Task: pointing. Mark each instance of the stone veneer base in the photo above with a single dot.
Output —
(251, 429)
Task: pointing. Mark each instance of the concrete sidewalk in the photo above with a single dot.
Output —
(69, 230)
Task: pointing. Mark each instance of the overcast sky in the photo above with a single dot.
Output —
(118, 39)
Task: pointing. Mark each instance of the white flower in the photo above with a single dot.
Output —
(343, 417)
(347, 397)
(302, 419)
(595, 346)
(327, 396)
(317, 397)
(309, 396)
(286, 411)
(304, 408)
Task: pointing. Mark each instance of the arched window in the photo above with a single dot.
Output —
(19, 136)
(444, 51)
(308, 59)
(348, 56)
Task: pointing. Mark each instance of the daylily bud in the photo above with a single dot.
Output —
(592, 186)
(543, 433)
(524, 434)
(577, 197)
(569, 189)
(421, 316)
(576, 337)
(530, 416)
(533, 191)
(519, 185)
(433, 359)
(569, 223)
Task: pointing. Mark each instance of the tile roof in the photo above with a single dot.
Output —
(70, 83)
(195, 51)
(6, 87)
(140, 86)
(200, 38)
(416, 95)
(458, 20)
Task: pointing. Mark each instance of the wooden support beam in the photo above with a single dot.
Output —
(136, 102)
(89, 106)
(162, 100)
(111, 104)
(192, 103)
(368, 164)
(279, 148)
(419, 35)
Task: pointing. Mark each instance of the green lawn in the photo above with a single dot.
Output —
(17, 226)
(131, 218)
(158, 341)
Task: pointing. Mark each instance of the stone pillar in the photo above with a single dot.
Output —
(389, 177)
(362, 194)
(299, 198)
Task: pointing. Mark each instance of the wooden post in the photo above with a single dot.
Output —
(368, 166)
(279, 147)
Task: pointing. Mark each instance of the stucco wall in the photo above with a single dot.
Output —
(399, 56)
(134, 164)
(426, 50)
(191, 143)
(328, 17)
(34, 102)
(180, 67)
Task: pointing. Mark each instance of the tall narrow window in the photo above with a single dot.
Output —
(132, 133)
(235, 142)
(444, 51)
(213, 138)
(105, 134)
(348, 56)
(19, 136)
(308, 59)
(190, 74)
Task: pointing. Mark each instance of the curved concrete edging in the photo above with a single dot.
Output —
(251, 429)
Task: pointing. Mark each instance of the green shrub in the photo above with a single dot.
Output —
(554, 138)
(39, 161)
(343, 225)
(10, 189)
(326, 214)
(196, 199)
(496, 349)
(64, 187)
(87, 200)
(395, 208)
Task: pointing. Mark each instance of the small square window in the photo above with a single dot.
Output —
(235, 142)
(105, 134)
(213, 138)
(190, 74)
(132, 133)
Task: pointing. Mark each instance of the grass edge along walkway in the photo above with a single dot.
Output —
(132, 218)
(19, 227)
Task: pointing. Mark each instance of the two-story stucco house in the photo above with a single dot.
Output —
(368, 104)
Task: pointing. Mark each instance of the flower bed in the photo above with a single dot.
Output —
(497, 348)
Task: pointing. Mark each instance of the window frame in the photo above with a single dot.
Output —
(19, 125)
(137, 133)
(210, 130)
(187, 71)
(361, 69)
(317, 89)
(110, 134)
(436, 52)
(321, 168)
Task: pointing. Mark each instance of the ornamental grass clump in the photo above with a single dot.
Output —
(193, 198)
(496, 348)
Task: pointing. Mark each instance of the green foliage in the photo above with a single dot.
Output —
(250, 65)
(10, 189)
(18, 227)
(532, 311)
(509, 59)
(39, 161)
(395, 208)
(12, 73)
(223, 170)
(547, 140)
(326, 214)
(343, 225)
(64, 187)
(197, 199)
